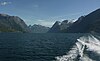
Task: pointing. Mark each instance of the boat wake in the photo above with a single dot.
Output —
(87, 48)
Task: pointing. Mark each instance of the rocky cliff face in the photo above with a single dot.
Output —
(12, 24)
(85, 24)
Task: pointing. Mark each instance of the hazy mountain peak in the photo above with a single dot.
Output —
(38, 28)
(4, 15)
(57, 23)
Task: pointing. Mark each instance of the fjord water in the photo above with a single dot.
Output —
(34, 46)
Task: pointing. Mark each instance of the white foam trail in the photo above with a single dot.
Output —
(88, 43)
(92, 43)
(71, 55)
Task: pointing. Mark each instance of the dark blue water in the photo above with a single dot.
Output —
(34, 47)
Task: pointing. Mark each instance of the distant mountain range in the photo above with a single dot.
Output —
(15, 24)
(38, 28)
(59, 26)
(85, 24)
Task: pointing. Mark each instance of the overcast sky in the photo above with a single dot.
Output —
(46, 12)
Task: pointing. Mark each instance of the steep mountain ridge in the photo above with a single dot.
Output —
(86, 23)
(12, 24)
(55, 28)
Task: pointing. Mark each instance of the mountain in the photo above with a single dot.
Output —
(55, 28)
(85, 24)
(12, 24)
(65, 24)
(38, 28)
(59, 26)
